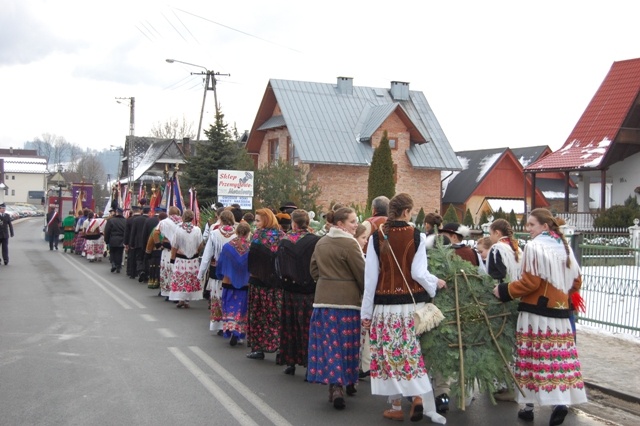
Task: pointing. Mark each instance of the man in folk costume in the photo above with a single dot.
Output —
(69, 228)
(167, 228)
(546, 363)
(53, 228)
(457, 233)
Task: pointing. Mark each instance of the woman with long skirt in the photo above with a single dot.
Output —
(69, 228)
(293, 259)
(546, 365)
(337, 265)
(265, 293)
(167, 228)
(185, 285)
(232, 269)
(218, 237)
(396, 275)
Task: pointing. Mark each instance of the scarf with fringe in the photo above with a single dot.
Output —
(507, 255)
(545, 257)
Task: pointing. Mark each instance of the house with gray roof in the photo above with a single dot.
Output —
(331, 130)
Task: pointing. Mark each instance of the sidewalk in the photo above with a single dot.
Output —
(610, 362)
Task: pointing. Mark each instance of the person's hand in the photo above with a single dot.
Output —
(366, 324)
(496, 292)
(441, 284)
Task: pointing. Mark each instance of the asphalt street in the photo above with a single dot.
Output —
(82, 346)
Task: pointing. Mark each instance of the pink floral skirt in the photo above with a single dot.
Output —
(185, 284)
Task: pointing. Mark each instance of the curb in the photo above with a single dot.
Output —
(616, 394)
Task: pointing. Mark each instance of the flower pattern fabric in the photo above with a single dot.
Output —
(294, 339)
(234, 312)
(185, 284)
(263, 330)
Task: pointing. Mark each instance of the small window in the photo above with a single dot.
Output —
(13, 177)
(274, 150)
(13, 192)
(292, 153)
(393, 144)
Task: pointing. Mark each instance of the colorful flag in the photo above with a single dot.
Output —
(193, 204)
(178, 201)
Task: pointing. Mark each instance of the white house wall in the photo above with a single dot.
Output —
(625, 176)
(20, 184)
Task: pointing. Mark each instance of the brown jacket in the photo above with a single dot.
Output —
(337, 266)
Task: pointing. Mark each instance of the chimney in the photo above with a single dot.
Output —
(400, 91)
(345, 85)
(186, 146)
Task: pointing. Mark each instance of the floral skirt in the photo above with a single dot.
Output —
(234, 312)
(334, 346)
(397, 366)
(165, 273)
(263, 329)
(296, 316)
(215, 319)
(94, 249)
(185, 284)
(79, 244)
(547, 367)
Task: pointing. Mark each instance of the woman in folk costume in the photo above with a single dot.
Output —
(397, 261)
(79, 240)
(233, 269)
(265, 293)
(154, 251)
(292, 263)
(185, 285)
(337, 265)
(546, 363)
(94, 246)
(69, 228)
(217, 239)
(167, 228)
(503, 260)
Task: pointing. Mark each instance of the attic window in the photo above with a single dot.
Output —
(393, 144)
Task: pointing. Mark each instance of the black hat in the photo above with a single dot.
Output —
(146, 209)
(456, 228)
(3, 205)
(119, 210)
(135, 208)
(288, 206)
(159, 209)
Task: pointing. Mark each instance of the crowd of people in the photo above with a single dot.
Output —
(340, 301)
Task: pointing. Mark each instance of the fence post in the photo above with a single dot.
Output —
(634, 235)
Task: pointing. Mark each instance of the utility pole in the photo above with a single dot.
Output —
(130, 144)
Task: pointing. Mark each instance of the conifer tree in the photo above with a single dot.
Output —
(500, 214)
(420, 217)
(513, 219)
(450, 216)
(484, 218)
(219, 152)
(468, 219)
(381, 173)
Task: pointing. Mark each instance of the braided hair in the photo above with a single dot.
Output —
(504, 227)
(397, 205)
(544, 216)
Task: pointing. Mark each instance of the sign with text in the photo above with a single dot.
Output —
(246, 203)
(235, 183)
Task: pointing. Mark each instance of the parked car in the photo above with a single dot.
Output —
(12, 212)
(31, 209)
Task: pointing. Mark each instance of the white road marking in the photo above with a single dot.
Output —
(149, 318)
(225, 400)
(103, 287)
(247, 393)
(165, 332)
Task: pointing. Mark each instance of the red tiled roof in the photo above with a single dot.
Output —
(592, 136)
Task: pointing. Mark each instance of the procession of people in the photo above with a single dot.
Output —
(340, 303)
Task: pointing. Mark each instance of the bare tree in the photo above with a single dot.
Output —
(173, 129)
(90, 168)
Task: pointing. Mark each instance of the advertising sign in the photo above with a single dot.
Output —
(246, 203)
(235, 183)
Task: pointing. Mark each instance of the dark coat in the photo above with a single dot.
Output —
(137, 239)
(127, 230)
(53, 228)
(6, 227)
(114, 231)
(149, 225)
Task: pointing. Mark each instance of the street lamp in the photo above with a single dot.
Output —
(60, 186)
(210, 79)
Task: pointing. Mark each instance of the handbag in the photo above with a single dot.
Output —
(426, 318)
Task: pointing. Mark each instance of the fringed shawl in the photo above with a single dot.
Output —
(187, 239)
(508, 258)
(219, 237)
(545, 257)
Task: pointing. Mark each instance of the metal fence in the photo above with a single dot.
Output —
(609, 259)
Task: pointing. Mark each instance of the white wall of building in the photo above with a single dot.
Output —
(19, 185)
(625, 176)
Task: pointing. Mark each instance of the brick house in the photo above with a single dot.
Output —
(331, 130)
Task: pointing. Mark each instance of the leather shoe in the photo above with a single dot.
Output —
(113, 269)
(558, 414)
(363, 374)
(351, 390)
(393, 415)
(416, 409)
(256, 355)
(234, 340)
(290, 370)
(527, 415)
(442, 403)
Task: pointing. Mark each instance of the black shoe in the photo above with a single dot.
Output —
(113, 269)
(290, 370)
(363, 374)
(527, 415)
(220, 333)
(234, 340)
(256, 355)
(351, 390)
(558, 414)
(442, 403)
(118, 270)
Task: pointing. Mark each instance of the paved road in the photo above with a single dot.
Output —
(82, 346)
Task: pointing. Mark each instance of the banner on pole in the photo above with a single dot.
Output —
(235, 183)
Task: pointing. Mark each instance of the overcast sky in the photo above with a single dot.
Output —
(496, 73)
